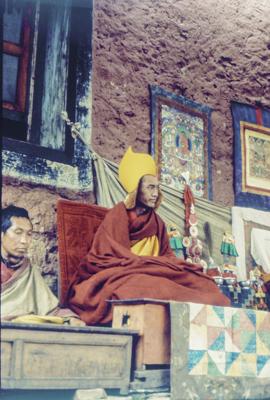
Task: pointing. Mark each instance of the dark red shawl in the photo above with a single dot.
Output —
(111, 271)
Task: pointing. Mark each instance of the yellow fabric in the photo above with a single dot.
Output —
(146, 247)
(133, 167)
(39, 319)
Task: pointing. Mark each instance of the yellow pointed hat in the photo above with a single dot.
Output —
(133, 167)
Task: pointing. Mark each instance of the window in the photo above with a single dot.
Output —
(44, 71)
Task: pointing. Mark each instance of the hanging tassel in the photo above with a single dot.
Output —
(188, 201)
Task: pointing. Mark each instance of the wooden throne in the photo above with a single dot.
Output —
(76, 225)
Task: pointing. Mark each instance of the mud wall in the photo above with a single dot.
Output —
(41, 204)
(210, 51)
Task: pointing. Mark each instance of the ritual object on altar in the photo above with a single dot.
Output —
(229, 252)
(260, 297)
(227, 248)
(214, 271)
(266, 284)
(258, 284)
(191, 242)
(175, 240)
(245, 284)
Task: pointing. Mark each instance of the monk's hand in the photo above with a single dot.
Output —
(76, 322)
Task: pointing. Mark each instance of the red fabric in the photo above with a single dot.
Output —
(77, 224)
(111, 271)
(6, 273)
(259, 117)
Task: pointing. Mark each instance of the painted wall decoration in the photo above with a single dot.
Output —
(180, 131)
(251, 156)
(255, 149)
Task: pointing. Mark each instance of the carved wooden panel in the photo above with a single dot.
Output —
(64, 357)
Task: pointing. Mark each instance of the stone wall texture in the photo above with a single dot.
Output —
(211, 51)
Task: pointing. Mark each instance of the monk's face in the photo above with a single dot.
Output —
(16, 239)
(148, 191)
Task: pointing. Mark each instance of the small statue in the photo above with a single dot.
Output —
(227, 247)
(229, 252)
(260, 297)
(257, 283)
(257, 273)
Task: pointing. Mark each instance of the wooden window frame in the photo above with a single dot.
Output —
(25, 147)
(22, 51)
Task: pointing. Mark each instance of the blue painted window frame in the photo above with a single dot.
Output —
(30, 162)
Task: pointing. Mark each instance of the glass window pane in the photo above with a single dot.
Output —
(13, 22)
(10, 72)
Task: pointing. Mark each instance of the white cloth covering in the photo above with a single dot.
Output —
(260, 248)
(239, 216)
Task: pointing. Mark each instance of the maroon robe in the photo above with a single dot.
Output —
(111, 271)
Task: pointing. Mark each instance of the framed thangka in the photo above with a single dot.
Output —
(255, 146)
(252, 156)
(180, 141)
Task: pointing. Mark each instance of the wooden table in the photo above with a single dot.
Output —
(52, 356)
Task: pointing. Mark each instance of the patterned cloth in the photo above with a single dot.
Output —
(219, 352)
(240, 297)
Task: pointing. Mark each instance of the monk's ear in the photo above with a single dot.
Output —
(159, 200)
(130, 200)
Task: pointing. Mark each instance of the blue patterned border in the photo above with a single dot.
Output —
(247, 113)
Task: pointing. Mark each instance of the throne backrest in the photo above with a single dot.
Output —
(76, 226)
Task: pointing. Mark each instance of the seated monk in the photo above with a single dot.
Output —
(23, 290)
(131, 257)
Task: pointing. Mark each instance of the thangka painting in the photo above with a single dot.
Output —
(252, 156)
(181, 141)
(255, 146)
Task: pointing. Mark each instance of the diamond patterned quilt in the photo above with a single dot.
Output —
(219, 352)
